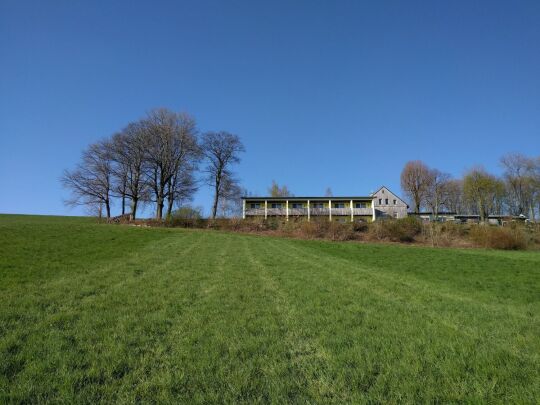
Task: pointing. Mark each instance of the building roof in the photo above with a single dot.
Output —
(292, 198)
(397, 196)
(431, 213)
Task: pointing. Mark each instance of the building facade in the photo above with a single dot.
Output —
(340, 209)
(388, 204)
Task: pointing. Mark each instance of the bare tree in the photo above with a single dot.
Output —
(454, 196)
(170, 145)
(414, 182)
(182, 186)
(230, 203)
(221, 150)
(328, 192)
(186, 155)
(536, 188)
(91, 182)
(484, 190)
(437, 190)
(519, 179)
(129, 151)
(276, 191)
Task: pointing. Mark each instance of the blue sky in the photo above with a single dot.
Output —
(323, 94)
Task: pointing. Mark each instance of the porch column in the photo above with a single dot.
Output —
(287, 209)
(352, 212)
(330, 210)
(243, 209)
(308, 211)
(373, 209)
(265, 209)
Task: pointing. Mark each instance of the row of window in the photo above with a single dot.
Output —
(386, 201)
(314, 205)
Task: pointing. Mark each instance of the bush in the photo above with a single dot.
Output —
(340, 232)
(396, 230)
(507, 238)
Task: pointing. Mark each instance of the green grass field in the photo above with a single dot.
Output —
(110, 313)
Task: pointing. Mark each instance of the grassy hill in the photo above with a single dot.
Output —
(108, 313)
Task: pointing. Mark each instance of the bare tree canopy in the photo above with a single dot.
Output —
(437, 190)
(415, 179)
(328, 192)
(454, 196)
(275, 190)
(91, 182)
(230, 203)
(485, 190)
(128, 153)
(221, 151)
(171, 155)
(519, 176)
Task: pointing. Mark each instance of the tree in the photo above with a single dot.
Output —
(519, 179)
(484, 190)
(328, 192)
(230, 203)
(276, 191)
(128, 153)
(437, 190)
(536, 187)
(414, 182)
(91, 182)
(186, 154)
(454, 196)
(221, 151)
(171, 149)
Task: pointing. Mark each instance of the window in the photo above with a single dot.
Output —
(277, 205)
(380, 201)
(255, 205)
(318, 205)
(395, 202)
(386, 201)
(396, 215)
(360, 205)
(339, 205)
(298, 205)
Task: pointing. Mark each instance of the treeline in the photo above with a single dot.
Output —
(478, 192)
(160, 160)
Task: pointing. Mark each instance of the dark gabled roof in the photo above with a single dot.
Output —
(431, 213)
(521, 216)
(292, 198)
(400, 199)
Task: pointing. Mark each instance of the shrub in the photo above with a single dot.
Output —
(507, 238)
(397, 230)
(340, 232)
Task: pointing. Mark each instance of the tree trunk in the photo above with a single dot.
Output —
(123, 203)
(169, 207)
(133, 208)
(216, 200)
(108, 208)
(159, 209)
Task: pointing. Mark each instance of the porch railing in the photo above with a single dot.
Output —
(304, 211)
(362, 211)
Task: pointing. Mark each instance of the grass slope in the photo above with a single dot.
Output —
(108, 313)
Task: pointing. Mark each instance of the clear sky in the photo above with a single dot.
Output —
(323, 94)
